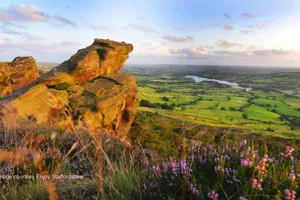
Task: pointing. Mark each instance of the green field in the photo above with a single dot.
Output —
(278, 106)
(261, 110)
(293, 102)
(258, 113)
(150, 94)
(234, 102)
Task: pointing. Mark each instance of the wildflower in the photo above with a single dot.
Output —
(242, 198)
(242, 154)
(226, 170)
(219, 169)
(174, 167)
(213, 195)
(165, 167)
(194, 190)
(271, 160)
(281, 154)
(243, 143)
(246, 162)
(292, 176)
(217, 160)
(261, 166)
(155, 170)
(288, 152)
(289, 194)
(192, 157)
(195, 145)
(152, 185)
(144, 188)
(226, 157)
(256, 184)
(201, 160)
(185, 170)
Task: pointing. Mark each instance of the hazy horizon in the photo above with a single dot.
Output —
(195, 65)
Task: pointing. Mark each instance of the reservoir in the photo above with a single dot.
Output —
(198, 79)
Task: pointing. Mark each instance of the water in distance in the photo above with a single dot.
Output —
(201, 79)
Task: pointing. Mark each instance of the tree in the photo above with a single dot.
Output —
(245, 115)
(165, 98)
(145, 103)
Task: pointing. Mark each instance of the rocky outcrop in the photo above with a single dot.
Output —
(89, 85)
(102, 57)
(16, 74)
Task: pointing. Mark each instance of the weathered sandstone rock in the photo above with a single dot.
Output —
(107, 104)
(88, 85)
(16, 74)
(102, 57)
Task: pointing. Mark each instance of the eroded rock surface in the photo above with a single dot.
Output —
(102, 57)
(16, 74)
(89, 85)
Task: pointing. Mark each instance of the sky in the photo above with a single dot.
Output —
(190, 32)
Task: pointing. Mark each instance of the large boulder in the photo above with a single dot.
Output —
(87, 88)
(102, 57)
(16, 74)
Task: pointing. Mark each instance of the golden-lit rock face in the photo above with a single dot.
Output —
(89, 85)
(102, 57)
(16, 74)
(109, 103)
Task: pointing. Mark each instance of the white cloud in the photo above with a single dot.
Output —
(257, 26)
(227, 16)
(246, 55)
(178, 39)
(70, 43)
(8, 27)
(228, 28)
(151, 50)
(142, 18)
(22, 12)
(276, 53)
(247, 15)
(190, 52)
(144, 29)
(226, 44)
(251, 48)
(95, 27)
(64, 20)
(37, 47)
(233, 54)
(247, 31)
(178, 28)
